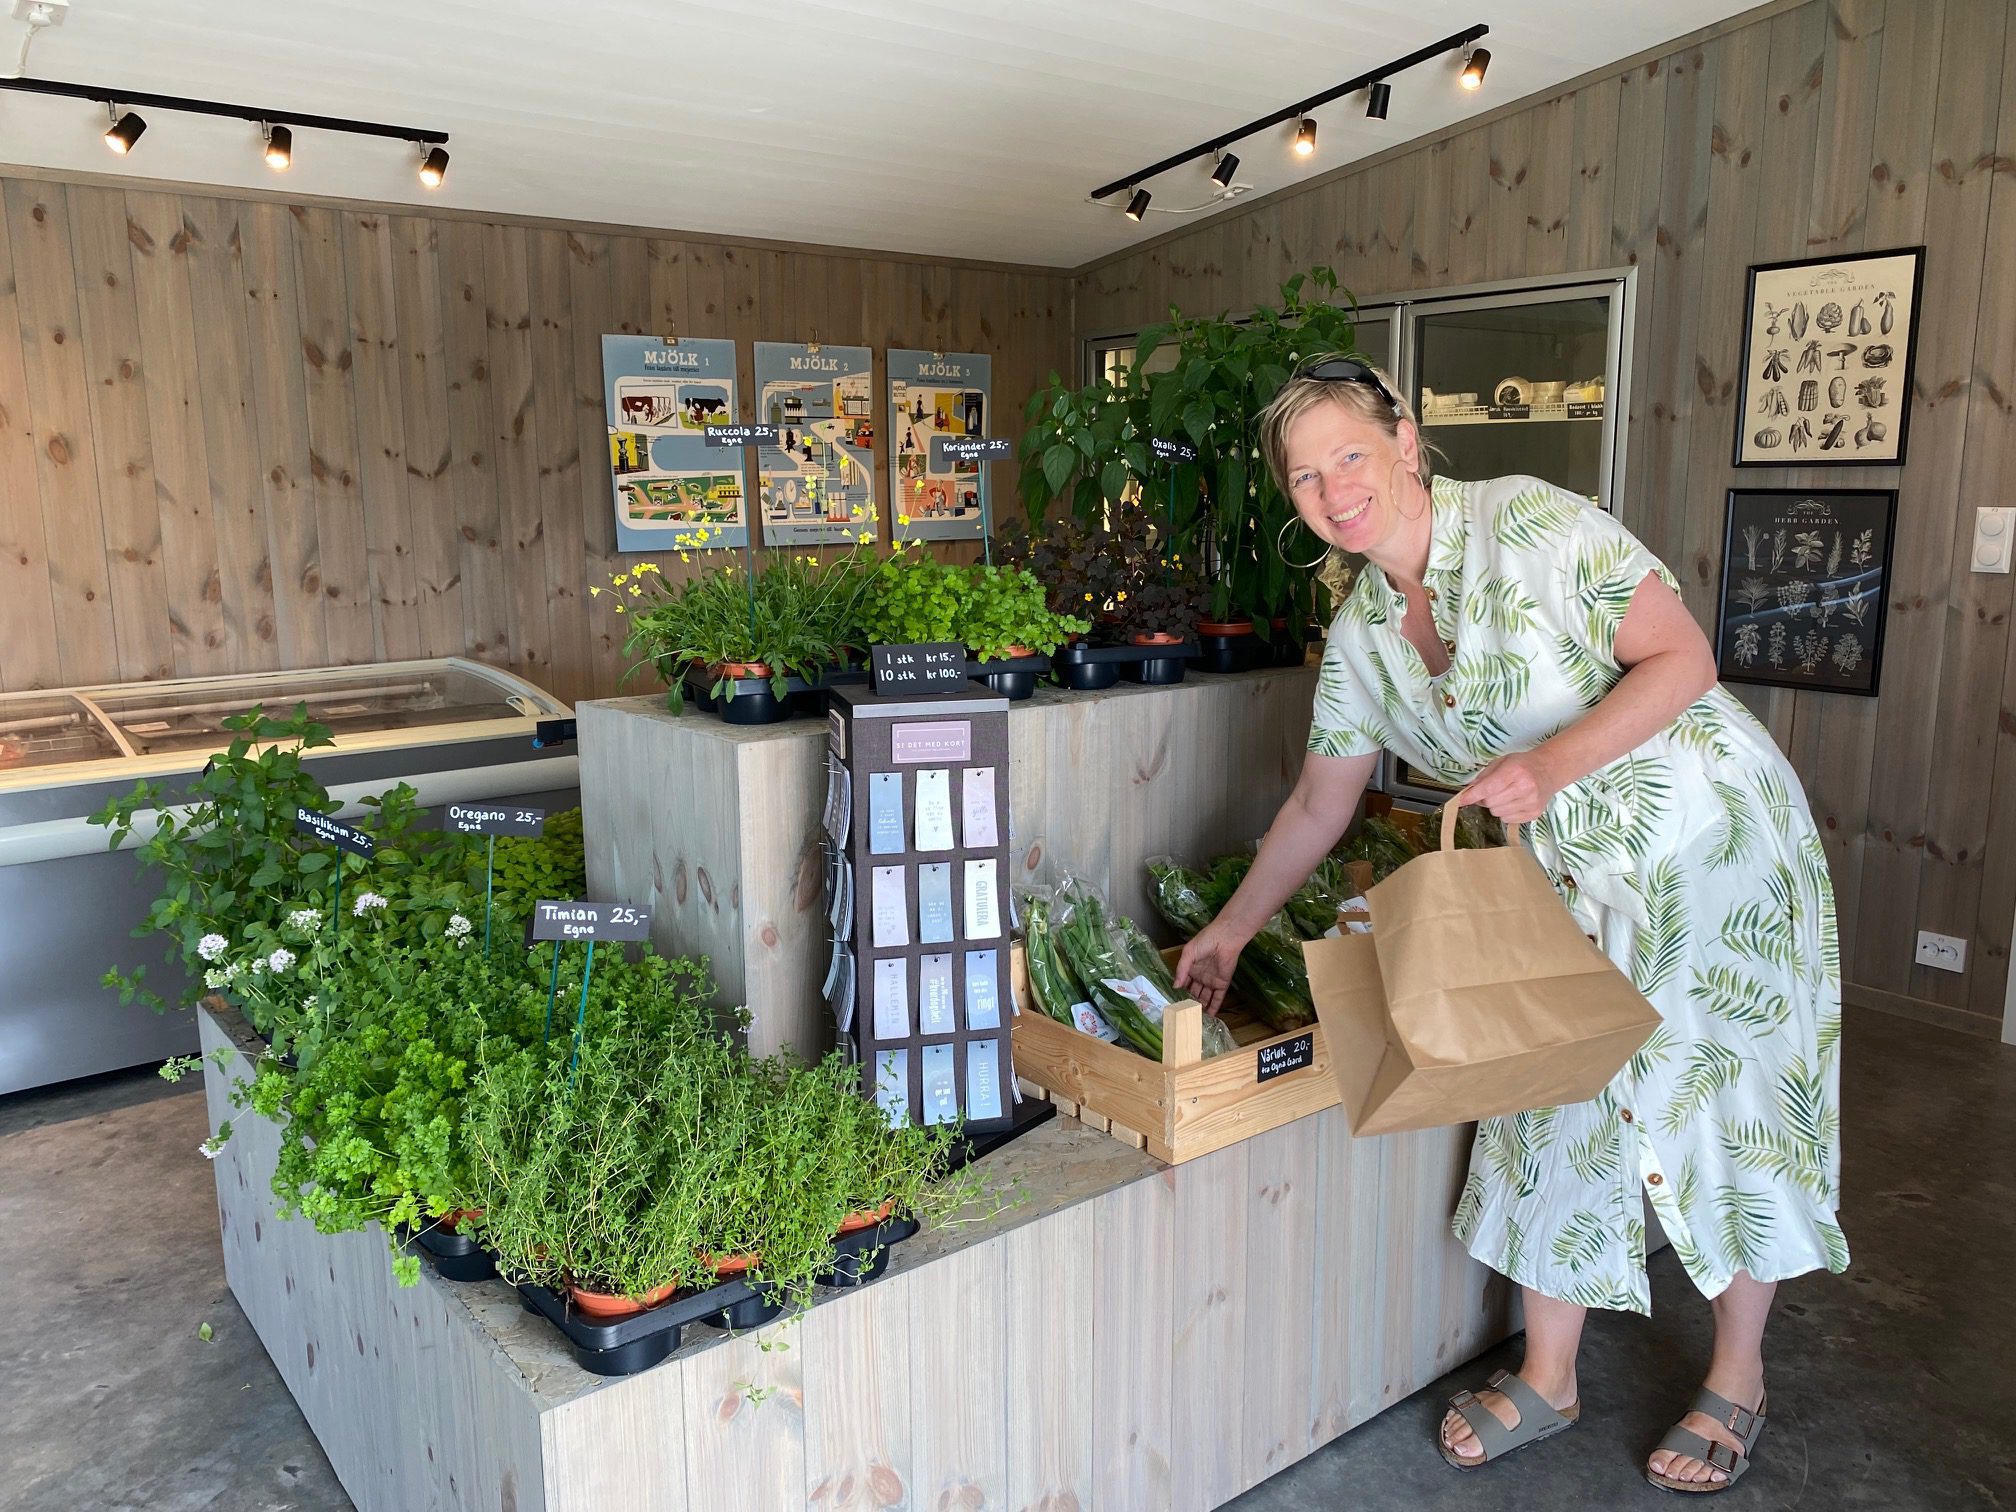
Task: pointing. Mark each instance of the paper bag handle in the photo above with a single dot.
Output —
(1449, 812)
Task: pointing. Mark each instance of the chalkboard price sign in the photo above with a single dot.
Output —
(957, 449)
(333, 832)
(924, 667)
(738, 435)
(1279, 1060)
(494, 819)
(557, 920)
(1167, 449)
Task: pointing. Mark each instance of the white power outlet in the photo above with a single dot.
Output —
(1943, 952)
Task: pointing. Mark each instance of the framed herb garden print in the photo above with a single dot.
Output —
(1828, 344)
(1805, 587)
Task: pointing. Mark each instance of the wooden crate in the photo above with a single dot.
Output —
(1183, 1107)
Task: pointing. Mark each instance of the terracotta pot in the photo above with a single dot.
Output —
(732, 1265)
(868, 1220)
(1224, 627)
(742, 669)
(1156, 638)
(607, 1305)
(449, 1221)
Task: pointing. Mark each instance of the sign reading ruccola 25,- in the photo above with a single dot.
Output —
(333, 832)
(494, 819)
(738, 435)
(552, 920)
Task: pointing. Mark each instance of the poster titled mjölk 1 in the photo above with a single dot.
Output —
(935, 397)
(671, 488)
(815, 483)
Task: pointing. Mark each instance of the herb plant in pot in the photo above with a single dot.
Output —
(1156, 611)
(1008, 618)
(1083, 569)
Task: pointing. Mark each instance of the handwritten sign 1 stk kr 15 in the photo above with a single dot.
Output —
(333, 832)
(494, 819)
(739, 435)
(925, 667)
(553, 920)
(1279, 1060)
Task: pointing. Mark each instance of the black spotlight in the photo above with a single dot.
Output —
(124, 132)
(1305, 137)
(1376, 101)
(1474, 66)
(279, 148)
(1137, 206)
(1222, 174)
(434, 167)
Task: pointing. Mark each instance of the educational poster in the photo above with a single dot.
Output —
(936, 398)
(669, 483)
(1827, 355)
(815, 484)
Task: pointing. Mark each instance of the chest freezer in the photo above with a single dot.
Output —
(456, 730)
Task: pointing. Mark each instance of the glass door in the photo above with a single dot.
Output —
(1522, 382)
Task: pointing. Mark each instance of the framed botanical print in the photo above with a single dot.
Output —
(1828, 344)
(1805, 587)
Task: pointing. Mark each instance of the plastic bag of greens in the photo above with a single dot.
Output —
(1052, 982)
(1149, 964)
(1128, 981)
(1270, 976)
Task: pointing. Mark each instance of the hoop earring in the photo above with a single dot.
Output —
(1280, 549)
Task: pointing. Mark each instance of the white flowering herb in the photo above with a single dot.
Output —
(215, 977)
(458, 926)
(211, 946)
(280, 960)
(308, 920)
(365, 903)
(258, 965)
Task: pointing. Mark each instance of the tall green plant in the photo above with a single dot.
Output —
(1091, 446)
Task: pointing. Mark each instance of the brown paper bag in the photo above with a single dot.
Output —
(1475, 994)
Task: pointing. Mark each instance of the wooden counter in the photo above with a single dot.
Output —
(1129, 1338)
(716, 826)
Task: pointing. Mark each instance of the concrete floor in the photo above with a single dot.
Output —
(1891, 1386)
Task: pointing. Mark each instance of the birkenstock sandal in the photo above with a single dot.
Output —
(1745, 1424)
(1537, 1420)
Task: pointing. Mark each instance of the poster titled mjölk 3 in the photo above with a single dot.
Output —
(815, 483)
(935, 397)
(669, 483)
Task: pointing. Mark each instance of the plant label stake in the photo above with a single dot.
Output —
(581, 920)
(345, 837)
(493, 820)
(957, 449)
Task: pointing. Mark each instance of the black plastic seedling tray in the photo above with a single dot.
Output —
(455, 1256)
(1013, 677)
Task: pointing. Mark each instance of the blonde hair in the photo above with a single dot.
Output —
(1301, 394)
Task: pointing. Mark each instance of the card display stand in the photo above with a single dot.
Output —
(917, 892)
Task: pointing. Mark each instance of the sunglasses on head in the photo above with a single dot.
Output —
(1350, 370)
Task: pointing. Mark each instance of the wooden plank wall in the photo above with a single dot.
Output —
(1836, 125)
(244, 434)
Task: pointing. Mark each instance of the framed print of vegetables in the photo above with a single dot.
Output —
(1828, 347)
(1805, 587)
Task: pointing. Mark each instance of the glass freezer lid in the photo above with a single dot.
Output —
(54, 729)
(369, 701)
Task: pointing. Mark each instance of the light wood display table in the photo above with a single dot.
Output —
(1130, 1338)
(716, 827)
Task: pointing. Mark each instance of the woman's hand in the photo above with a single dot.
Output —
(1205, 969)
(1517, 788)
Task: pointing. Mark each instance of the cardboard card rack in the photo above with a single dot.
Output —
(917, 893)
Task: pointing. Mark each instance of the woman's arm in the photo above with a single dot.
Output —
(1668, 664)
(1310, 822)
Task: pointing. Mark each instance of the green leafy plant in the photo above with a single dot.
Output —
(918, 598)
(551, 864)
(1006, 607)
(1081, 564)
(1222, 509)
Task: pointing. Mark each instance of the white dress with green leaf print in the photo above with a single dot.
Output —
(1694, 863)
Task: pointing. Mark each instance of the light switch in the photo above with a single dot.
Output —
(1994, 537)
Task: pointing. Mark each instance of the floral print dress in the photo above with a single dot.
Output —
(1694, 863)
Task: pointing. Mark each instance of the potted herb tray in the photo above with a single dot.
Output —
(1228, 648)
(455, 1255)
(1013, 677)
(1160, 663)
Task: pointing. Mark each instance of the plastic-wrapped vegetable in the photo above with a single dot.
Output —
(1102, 967)
(1050, 980)
(1148, 962)
(1313, 908)
(1382, 843)
(1270, 976)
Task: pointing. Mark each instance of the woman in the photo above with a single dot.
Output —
(1505, 635)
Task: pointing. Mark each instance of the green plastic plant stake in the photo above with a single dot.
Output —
(552, 991)
(581, 1015)
(489, 889)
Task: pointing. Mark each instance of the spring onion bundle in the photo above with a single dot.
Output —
(1270, 974)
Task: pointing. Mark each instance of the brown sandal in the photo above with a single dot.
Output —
(1741, 1421)
(1537, 1420)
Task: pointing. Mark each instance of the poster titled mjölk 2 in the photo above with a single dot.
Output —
(935, 397)
(669, 483)
(815, 483)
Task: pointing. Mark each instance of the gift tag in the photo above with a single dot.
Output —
(976, 795)
(934, 809)
(836, 780)
(983, 914)
(983, 991)
(890, 908)
(892, 999)
(841, 998)
(934, 903)
(934, 995)
(885, 814)
(983, 1079)
(841, 914)
(941, 1094)
(892, 1085)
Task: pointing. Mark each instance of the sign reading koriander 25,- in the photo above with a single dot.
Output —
(590, 921)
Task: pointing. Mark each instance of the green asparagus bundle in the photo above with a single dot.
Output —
(1270, 975)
